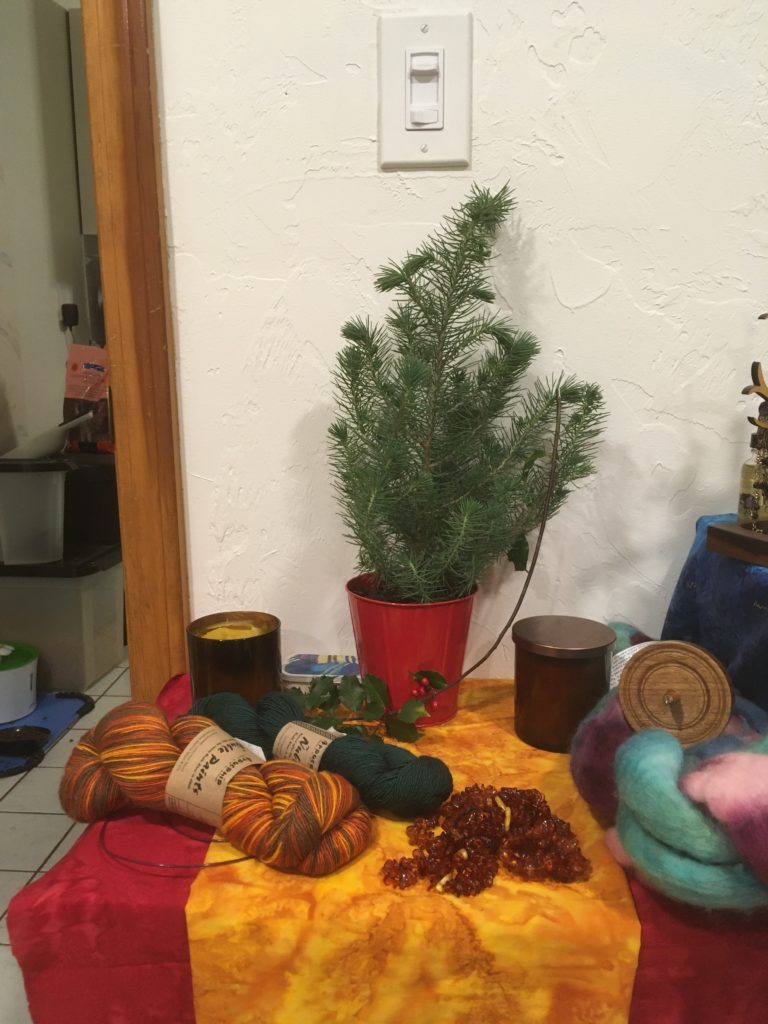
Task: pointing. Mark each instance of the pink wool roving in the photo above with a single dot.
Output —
(734, 789)
(692, 822)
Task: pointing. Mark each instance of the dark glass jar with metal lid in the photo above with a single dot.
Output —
(562, 669)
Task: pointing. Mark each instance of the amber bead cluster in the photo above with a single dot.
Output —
(459, 848)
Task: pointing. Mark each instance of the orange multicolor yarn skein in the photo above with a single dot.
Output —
(282, 813)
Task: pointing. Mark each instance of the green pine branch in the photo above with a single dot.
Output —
(440, 455)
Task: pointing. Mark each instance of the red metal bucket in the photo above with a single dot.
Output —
(394, 639)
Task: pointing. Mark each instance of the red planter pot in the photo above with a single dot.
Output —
(394, 639)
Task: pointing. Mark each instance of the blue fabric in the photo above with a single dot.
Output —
(721, 604)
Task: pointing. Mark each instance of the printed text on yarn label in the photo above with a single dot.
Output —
(199, 779)
(302, 742)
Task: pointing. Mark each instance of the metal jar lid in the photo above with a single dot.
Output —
(563, 636)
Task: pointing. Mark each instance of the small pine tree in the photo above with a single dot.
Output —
(440, 454)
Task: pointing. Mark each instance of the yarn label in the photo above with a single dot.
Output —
(199, 779)
(302, 742)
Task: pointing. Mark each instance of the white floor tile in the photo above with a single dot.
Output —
(8, 783)
(103, 705)
(103, 684)
(37, 793)
(122, 686)
(66, 844)
(58, 756)
(27, 839)
(14, 999)
(10, 883)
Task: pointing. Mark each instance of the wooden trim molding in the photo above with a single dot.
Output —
(119, 59)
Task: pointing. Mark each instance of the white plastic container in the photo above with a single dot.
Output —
(75, 623)
(18, 681)
(301, 670)
(31, 510)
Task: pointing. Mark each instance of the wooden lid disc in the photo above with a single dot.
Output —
(678, 687)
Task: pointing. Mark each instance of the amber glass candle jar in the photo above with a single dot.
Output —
(234, 652)
(562, 669)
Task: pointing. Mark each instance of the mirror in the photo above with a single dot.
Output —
(61, 590)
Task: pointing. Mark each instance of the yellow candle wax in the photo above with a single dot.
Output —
(234, 631)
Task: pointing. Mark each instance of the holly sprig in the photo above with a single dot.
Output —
(361, 706)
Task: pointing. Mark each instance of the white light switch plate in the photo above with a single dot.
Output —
(401, 142)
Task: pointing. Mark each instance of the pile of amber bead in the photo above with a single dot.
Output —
(460, 848)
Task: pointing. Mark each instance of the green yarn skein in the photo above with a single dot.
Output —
(387, 777)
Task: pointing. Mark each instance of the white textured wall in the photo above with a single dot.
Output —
(635, 136)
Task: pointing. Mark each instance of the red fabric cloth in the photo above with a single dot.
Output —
(698, 966)
(100, 941)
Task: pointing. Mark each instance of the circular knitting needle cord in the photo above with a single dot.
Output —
(196, 839)
(124, 858)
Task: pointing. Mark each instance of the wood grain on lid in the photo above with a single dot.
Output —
(678, 687)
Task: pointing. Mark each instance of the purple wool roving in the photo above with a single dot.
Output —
(692, 822)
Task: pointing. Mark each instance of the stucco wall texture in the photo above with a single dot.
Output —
(634, 134)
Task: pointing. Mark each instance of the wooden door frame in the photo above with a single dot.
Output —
(123, 118)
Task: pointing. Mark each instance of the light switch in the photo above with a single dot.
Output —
(425, 90)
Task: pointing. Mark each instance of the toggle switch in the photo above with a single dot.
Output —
(424, 89)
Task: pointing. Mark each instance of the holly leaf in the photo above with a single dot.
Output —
(300, 695)
(322, 694)
(518, 553)
(411, 710)
(351, 693)
(376, 689)
(328, 721)
(374, 710)
(435, 680)
(403, 731)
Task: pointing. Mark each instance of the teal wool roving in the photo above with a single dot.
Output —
(672, 841)
(387, 777)
(693, 821)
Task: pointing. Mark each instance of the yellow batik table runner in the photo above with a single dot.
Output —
(270, 948)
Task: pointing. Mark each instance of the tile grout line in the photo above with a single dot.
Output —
(72, 728)
(45, 814)
(50, 853)
(5, 912)
(22, 775)
(38, 871)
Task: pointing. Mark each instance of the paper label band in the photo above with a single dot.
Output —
(199, 779)
(302, 742)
